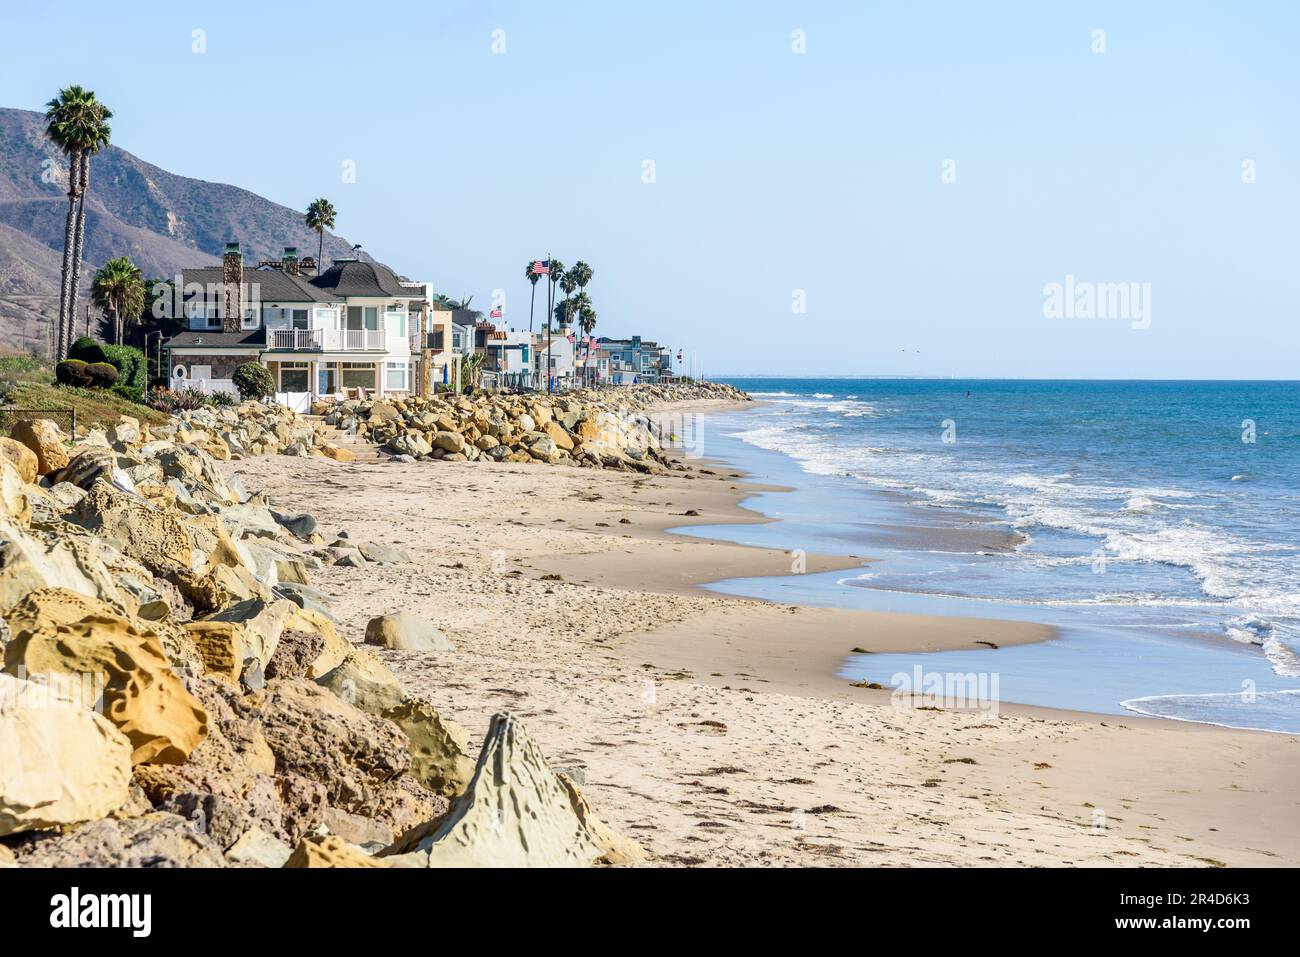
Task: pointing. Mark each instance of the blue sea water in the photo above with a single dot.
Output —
(1155, 524)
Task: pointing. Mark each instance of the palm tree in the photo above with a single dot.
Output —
(554, 273)
(532, 297)
(320, 217)
(568, 283)
(118, 289)
(76, 123)
(581, 274)
(587, 318)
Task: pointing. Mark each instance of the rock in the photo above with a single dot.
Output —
(156, 539)
(223, 646)
(383, 554)
(364, 681)
(263, 621)
(337, 453)
(21, 458)
(437, 760)
(60, 762)
(43, 437)
(515, 813)
(154, 840)
(300, 524)
(295, 653)
(317, 735)
(330, 851)
(356, 829)
(56, 631)
(560, 437)
(616, 848)
(15, 503)
(403, 631)
(257, 848)
(351, 559)
(448, 441)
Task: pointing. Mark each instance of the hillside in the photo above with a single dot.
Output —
(163, 221)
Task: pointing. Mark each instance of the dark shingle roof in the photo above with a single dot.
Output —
(273, 285)
(352, 277)
(249, 338)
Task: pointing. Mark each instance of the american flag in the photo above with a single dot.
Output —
(570, 337)
(541, 267)
(495, 313)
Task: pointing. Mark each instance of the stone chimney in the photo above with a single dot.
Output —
(290, 260)
(232, 281)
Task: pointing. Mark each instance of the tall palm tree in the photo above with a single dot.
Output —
(95, 136)
(76, 123)
(569, 284)
(320, 217)
(118, 289)
(554, 273)
(581, 274)
(532, 297)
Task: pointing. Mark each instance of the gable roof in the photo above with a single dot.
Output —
(273, 285)
(352, 277)
(215, 338)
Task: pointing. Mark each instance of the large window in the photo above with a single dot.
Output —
(358, 375)
(395, 321)
(363, 317)
(293, 377)
(395, 376)
(301, 319)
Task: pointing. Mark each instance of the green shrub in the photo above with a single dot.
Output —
(129, 362)
(88, 350)
(102, 375)
(220, 400)
(169, 400)
(129, 392)
(253, 380)
(72, 372)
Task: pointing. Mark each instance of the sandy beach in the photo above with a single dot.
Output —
(714, 729)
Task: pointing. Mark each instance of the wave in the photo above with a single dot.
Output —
(1275, 711)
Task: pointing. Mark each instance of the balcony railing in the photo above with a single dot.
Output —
(309, 339)
(329, 340)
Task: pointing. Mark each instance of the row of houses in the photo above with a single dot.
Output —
(357, 328)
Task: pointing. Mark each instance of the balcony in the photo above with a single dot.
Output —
(329, 340)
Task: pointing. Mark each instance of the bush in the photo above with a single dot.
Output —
(72, 372)
(88, 350)
(253, 380)
(130, 364)
(102, 375)
(129, 392)
(129, 361)
(220, 400)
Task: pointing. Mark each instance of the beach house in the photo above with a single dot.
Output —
(345, 331)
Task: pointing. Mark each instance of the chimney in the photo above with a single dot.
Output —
(232, 281)
(290, 260)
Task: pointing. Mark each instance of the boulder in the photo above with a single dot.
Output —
(515, 813)
(21, 458)
(60, 762)
(403, 631)
(330, 851)
(448, 441)
(223, 646)
(154, 840)
(45, 439)
(557, 435)
(364, 681)
(56, 631)
(301, 524)
(257, 848)
(616, 849)
(319, 736)
(383, 554)
(263, 621)
(15, 502)
(437, 758)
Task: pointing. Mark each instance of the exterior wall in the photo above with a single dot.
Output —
(223, 365)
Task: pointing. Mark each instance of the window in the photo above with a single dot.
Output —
(301, 319)
(293, 377)
(358, 375)
(363, 317)
(395, 321)
(250, 317)
(395, 376)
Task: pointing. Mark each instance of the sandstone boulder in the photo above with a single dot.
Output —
(45, 439)
(403, 631)
(56, 631)
(21, 458)
(60, 762)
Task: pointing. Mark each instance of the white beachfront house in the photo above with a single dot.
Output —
(342, 332)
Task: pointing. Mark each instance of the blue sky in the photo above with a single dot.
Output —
(774, 171)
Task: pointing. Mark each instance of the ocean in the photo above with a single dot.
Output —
(1155, 524)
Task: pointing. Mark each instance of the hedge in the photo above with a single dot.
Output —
(102, 375)
(129, 361)
(253, 380)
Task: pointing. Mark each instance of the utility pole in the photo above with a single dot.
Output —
(550, 292)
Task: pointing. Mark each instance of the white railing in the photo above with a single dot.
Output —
(355, 340)
(206, 385)
(296, 339)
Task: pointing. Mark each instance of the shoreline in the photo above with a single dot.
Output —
(744, 748)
